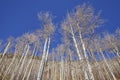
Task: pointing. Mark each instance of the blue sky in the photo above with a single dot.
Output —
(20, 16)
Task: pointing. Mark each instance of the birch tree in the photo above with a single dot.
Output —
(79, 25)
(33, 40)
(47, 32)
(25, 49)
(100, 48)
(9, 42)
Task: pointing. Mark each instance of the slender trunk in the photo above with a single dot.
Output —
(47, 55)
(107, 73)
(39, 77)
(85, 54)
(113, 67)
(8, 69)
(17, 65)
(22, 65)
(116, 51)
(53, 69)
(26, 69)
(73, 77)
(107, 65)
(97, 64)
(67, 65)
(33, 62)
(61, 68)
(5, 51)
(46, 58)
(55, 75)
(75, 42)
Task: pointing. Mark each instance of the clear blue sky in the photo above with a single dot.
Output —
(20, 16)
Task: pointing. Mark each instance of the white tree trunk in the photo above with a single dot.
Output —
(61, 68)
(8, 69)
(53, 69)
(5, 51)
(99, 68)
(75, 42)
(39, 77)
(27, 66)
(33, 62)
(22, 65)
(73, 77)
(46, 58)
(107, 65)
(85, 53)
(17, 65)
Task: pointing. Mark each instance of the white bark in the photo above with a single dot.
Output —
(61, 68)
(39, 77)
(107, 65)
(5, 51)
(53, 69)
(17, 65)
(47, 53)
(8, 69)
(33, 62)
(47, 50)
(21, 66)
(99, 68)
(85, 53)
(73, 77)
(27, 66)
(86, 75)
(75, 42)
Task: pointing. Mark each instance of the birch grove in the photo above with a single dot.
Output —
(80, 52)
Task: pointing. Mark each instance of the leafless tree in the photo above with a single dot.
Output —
(6, 48)
(75, 58)
(47, 32)
(79, 25)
